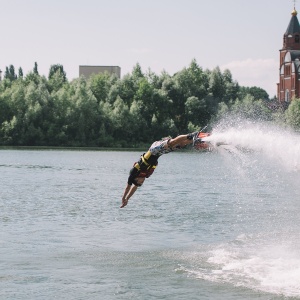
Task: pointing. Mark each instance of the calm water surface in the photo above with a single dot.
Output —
(205, 226)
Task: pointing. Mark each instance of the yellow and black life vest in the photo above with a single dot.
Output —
(147, 162)
(143, 168)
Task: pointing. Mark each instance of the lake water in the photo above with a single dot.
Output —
(217, 225)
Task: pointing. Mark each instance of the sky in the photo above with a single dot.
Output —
(161, 35)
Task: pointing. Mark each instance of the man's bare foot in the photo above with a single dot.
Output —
(124, 203)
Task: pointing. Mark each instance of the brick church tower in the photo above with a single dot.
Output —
(289, 71)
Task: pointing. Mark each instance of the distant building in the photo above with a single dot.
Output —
(87, 71)
(289, 70)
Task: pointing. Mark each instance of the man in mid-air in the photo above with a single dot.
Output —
(147, 163)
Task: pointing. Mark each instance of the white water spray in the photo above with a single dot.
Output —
(268, 259)
(277, 144)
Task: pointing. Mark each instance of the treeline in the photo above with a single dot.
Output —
(105, 111)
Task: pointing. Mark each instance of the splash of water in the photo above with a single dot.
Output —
(276, 271)
(268, 261)
(278, 144)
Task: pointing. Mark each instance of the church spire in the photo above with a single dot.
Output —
(291, 38)
(294, 26)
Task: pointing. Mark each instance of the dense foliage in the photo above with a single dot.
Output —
(109, 112)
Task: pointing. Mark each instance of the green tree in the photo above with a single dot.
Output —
(189, 82)
(10, 73)
(20, 72)
(100, 85)
(12, 129)
(128, 86)
(231, 87)
(107, 111)
(177, 98)
(222, 112)
(251, 108)
(32, 77)
(35, 69)
(193, 81)
(57, 68)
(57, 133)
(217, 84)
(82, 128)
(256, 92)
(292, 114)
(137, 73)
(57, 77)
(194, 109)
(6, 115)
(33, 116)
(124, 88)
(120, 118)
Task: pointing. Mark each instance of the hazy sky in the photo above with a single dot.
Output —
(243, 36)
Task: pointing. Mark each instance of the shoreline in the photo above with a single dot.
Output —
(62, 148)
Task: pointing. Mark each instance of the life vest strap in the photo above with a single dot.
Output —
(145, 161)
(147, 155)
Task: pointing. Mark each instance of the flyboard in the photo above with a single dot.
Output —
(207, 144)
(202, 144)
